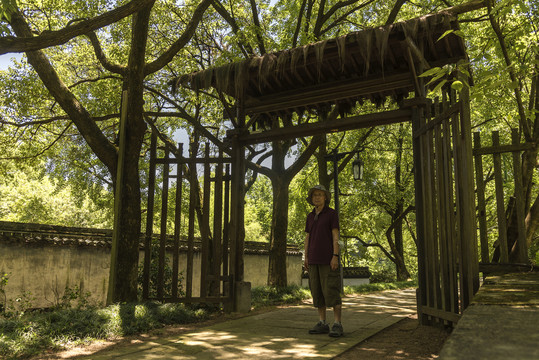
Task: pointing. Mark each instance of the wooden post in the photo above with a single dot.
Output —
(420, 218)
(521, 245)
(205, 226)
(500, 203)
(163, 235)
(191, 226)
(465, 183)
(149, 220)
(481, 206)
(237, 203)
(118, 204)
(450, 211)
(177, 221)
(217, 226)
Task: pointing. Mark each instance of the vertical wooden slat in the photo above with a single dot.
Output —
(460, 259)
(420, 216)
(236, 204)
(177, 222)
(149, 220)
(163, 237)
(522, 247)
(500, 203)
(217, 226)
(430, 220)
(481, 204)
(452, 249)
(441, 191)
(468, 236)
(191, 226)
(226, 211)
(204, 226)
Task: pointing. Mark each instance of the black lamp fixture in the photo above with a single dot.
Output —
(357, 168)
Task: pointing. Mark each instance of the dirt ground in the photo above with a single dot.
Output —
(403, 340)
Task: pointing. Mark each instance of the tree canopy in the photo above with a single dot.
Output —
(60, 110)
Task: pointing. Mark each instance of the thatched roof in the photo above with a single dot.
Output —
(370, 64)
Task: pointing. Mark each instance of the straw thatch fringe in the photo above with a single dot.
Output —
(341, 48)
(296, 54)
(241, 77)
(282, 60)
(319, 52)
(222, 77)
(364, 40)
(382, 36)
(305, 54)
(266, 68)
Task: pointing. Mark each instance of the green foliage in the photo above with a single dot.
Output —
(36, 332)
(3, 282)
(154, 268)
(262, 296)
(6, 8)
(381, 286)
(74, 296)
(32, 197)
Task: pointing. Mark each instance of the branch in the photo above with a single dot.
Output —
(259, 38)
(53, 38)
(304, 157)
(93, 135)
(114, 68)
(168, 55)
(394, 11)
(366, 244)
(191, 120)
(509, 66)
(344, 16)
(298, 24)
(42, 151)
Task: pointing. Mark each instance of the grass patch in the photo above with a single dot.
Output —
(33, 333)
(262, 296)
(369, 288)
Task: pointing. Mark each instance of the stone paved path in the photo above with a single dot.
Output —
(278, 334)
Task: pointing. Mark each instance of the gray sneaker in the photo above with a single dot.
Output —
(336, 330)
(319, 328)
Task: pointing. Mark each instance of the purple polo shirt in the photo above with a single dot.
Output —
(320, 249)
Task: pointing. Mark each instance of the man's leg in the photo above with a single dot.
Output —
(337, 311)
(322, 313)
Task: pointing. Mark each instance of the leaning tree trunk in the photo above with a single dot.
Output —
(125, 282)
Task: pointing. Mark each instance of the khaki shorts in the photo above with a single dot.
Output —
(325, 285)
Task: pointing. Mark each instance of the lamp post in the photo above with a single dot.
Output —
(357, 170)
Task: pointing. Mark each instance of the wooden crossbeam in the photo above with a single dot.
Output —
(328, 92)
(349, 123)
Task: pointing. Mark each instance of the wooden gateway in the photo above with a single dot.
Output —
(333, 77)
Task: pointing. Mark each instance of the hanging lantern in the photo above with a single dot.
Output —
(357, 168)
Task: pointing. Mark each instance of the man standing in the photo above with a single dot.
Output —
(322, 260)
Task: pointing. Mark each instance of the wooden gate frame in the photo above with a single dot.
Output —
(448, 273)
(216, 279)
(347, 69)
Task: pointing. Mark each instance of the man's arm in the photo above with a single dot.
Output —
(306, 261)
(336, 250)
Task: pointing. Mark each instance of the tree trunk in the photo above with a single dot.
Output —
(125, 283)
(402, 272)
(279, 221)
(279, 224)
(323, 176)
